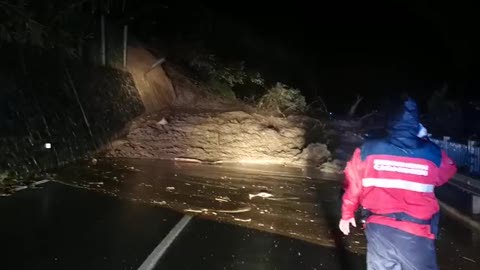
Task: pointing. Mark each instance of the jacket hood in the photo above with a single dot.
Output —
(404, 126)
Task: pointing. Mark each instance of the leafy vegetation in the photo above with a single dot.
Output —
(282, 99)
(222, 78)
(68, 25)
(44, 24)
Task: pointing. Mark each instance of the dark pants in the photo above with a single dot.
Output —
(392, 249)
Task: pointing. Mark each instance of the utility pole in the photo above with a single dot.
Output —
(125, 38)
(102, 45)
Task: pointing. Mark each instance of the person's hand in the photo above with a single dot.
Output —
(344, 225)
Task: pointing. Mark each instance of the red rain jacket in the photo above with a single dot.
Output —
(384, 183)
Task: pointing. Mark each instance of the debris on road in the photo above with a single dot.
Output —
(468, 259)
(187, 160)
(283, 199)
(222, 199)
(192, 210)
(159, 203)
(145, 185)
(261, 143)
(95, 183)
(261, 195)
(170, 188)
(242, 220)
(240, 210)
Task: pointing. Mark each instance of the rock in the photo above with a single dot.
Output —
(162, 122)
(333, 167)
(315, 153)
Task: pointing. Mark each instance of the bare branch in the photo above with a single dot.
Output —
(323, 106)
(354, 106)
(368, 115)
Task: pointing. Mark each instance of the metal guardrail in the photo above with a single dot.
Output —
(467, 184)
(464, 155)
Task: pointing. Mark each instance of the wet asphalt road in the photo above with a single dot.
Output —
(125, 208)
(60, 227)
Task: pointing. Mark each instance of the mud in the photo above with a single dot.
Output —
(304, 204)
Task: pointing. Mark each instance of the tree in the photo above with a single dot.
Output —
(48, 24)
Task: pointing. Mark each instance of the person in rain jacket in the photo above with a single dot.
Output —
(393, 179)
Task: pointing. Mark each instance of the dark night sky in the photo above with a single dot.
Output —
(371, 47)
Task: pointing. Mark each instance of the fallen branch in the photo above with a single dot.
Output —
(234, 211)
(191, 160)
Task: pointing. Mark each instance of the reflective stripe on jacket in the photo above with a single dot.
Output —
(391, 184)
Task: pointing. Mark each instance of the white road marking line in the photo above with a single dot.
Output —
(40, 182)
(158, 252)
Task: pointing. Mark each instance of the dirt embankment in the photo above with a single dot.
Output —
(226, 137)
(162, 85)
(220, 129)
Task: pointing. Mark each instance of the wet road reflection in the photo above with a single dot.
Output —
(60, 227)
(300, 205)
(289, 202)
(210, 245)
